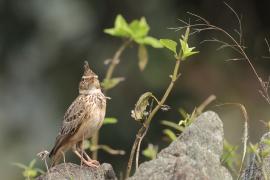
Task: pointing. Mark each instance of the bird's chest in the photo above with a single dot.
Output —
(94, 117)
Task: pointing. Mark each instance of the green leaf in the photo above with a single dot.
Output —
(266, 141)
(111, 83)
(30, 173)
(120, 28)
(108, 149)
(110, 120)
(183, 113)
(20, 165)
(32, 163)
(40, 171)
(172, 125)
(229, 156)
(143, 57)
(110, 31)
(254, 148)
(138, 28)
(265, 153)
(169, 44)
(151, 151)
(187, 51)
(120, 22)
(148, 40)
(170, 134)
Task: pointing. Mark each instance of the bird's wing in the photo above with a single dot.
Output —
(74, 116)
(73, 119)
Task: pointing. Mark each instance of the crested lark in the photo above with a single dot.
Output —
(82, 119)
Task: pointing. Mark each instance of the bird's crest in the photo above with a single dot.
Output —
(88, 73)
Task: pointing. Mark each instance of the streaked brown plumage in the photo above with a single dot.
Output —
(82, 119)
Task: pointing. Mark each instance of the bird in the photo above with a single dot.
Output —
(82, 119)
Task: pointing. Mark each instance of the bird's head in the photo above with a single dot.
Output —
(89, 80)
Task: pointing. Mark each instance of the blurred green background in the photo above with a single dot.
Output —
(43, 45)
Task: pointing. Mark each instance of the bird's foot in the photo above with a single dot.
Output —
(92, 163)
(89, 162)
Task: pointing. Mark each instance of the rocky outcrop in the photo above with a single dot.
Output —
(73, 171)
(194, 155)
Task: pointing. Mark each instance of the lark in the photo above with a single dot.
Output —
(81, 120)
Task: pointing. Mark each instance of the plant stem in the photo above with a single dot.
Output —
(113, 63)
(116, 59)
(143, 130)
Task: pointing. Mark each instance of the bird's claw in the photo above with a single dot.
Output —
(92, 163)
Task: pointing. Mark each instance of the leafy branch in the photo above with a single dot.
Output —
(134, 32)
(183, 53)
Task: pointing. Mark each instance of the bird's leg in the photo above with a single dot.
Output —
(87, 162)
(81, 150)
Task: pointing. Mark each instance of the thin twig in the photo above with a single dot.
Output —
(43, 156)
(235, 45)
(116, 59)
(205, 103)
(138, 149)
(140, 141)
(267, 44)
(240, 32)
(151, 115)
(245, 134)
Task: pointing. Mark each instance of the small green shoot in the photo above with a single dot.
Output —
(151, 151)
(172, 125)
(88, 145)
(137, 31)
(111, 83)
(29, 172)
(110, 120)
(169, 44)
(230, 157)
(180, 126)
(120, 29)
(188, 118)
(185, 50)
(169, 133)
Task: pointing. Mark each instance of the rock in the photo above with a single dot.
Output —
(194, 155)
(258, 168)
(67, 171)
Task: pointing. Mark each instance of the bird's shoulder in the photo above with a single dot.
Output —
(76, 109)
(74, 115)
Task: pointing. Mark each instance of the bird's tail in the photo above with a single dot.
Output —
(56, 159)
(55, 153)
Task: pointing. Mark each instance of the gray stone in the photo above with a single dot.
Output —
(194, 155)
(68, 171)
(258, 168)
